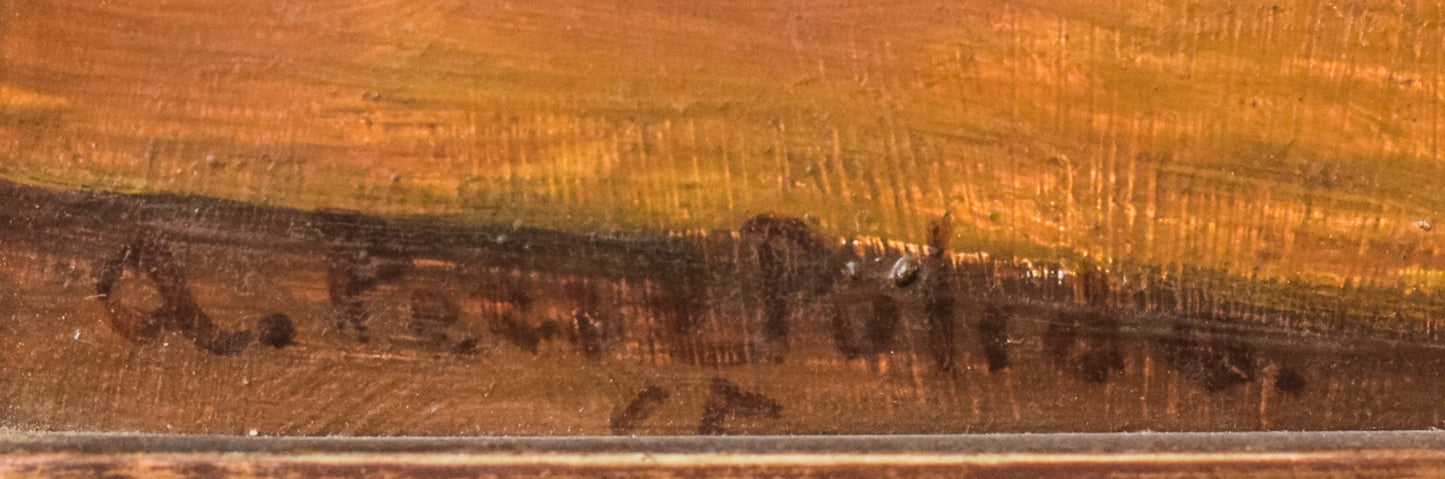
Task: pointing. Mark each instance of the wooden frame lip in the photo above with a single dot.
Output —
(1311, 442)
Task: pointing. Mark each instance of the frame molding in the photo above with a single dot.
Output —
(1008, 455)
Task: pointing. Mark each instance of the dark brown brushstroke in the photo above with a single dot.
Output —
(178, 311)
(1209, 358)
(510, 328)
(791, 258)
(643, 405)
(939, 302)
(879, 330)
(432, 314)
(726, 401)
(363, 256)
(276, 331)
(1290, 381)
(993, 334)
(586, 301)
(1085, 342)
(594, 322)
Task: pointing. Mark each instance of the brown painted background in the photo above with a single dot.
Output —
(1269, 163)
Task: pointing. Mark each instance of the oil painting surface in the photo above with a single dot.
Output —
(560, 217)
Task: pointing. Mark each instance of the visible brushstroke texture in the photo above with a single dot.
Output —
(432, 313)
(1085, 342)
(1263, 174)
(1290, 382)
(509, 327)
(727, 401)
(363, 256)
(791, 258)
(880, 328)
(1212, 358)
(276, 331)
(993, 334)
(939, 303)
(625, 419)
(612, 301)
(594, 323)
(178, 310)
